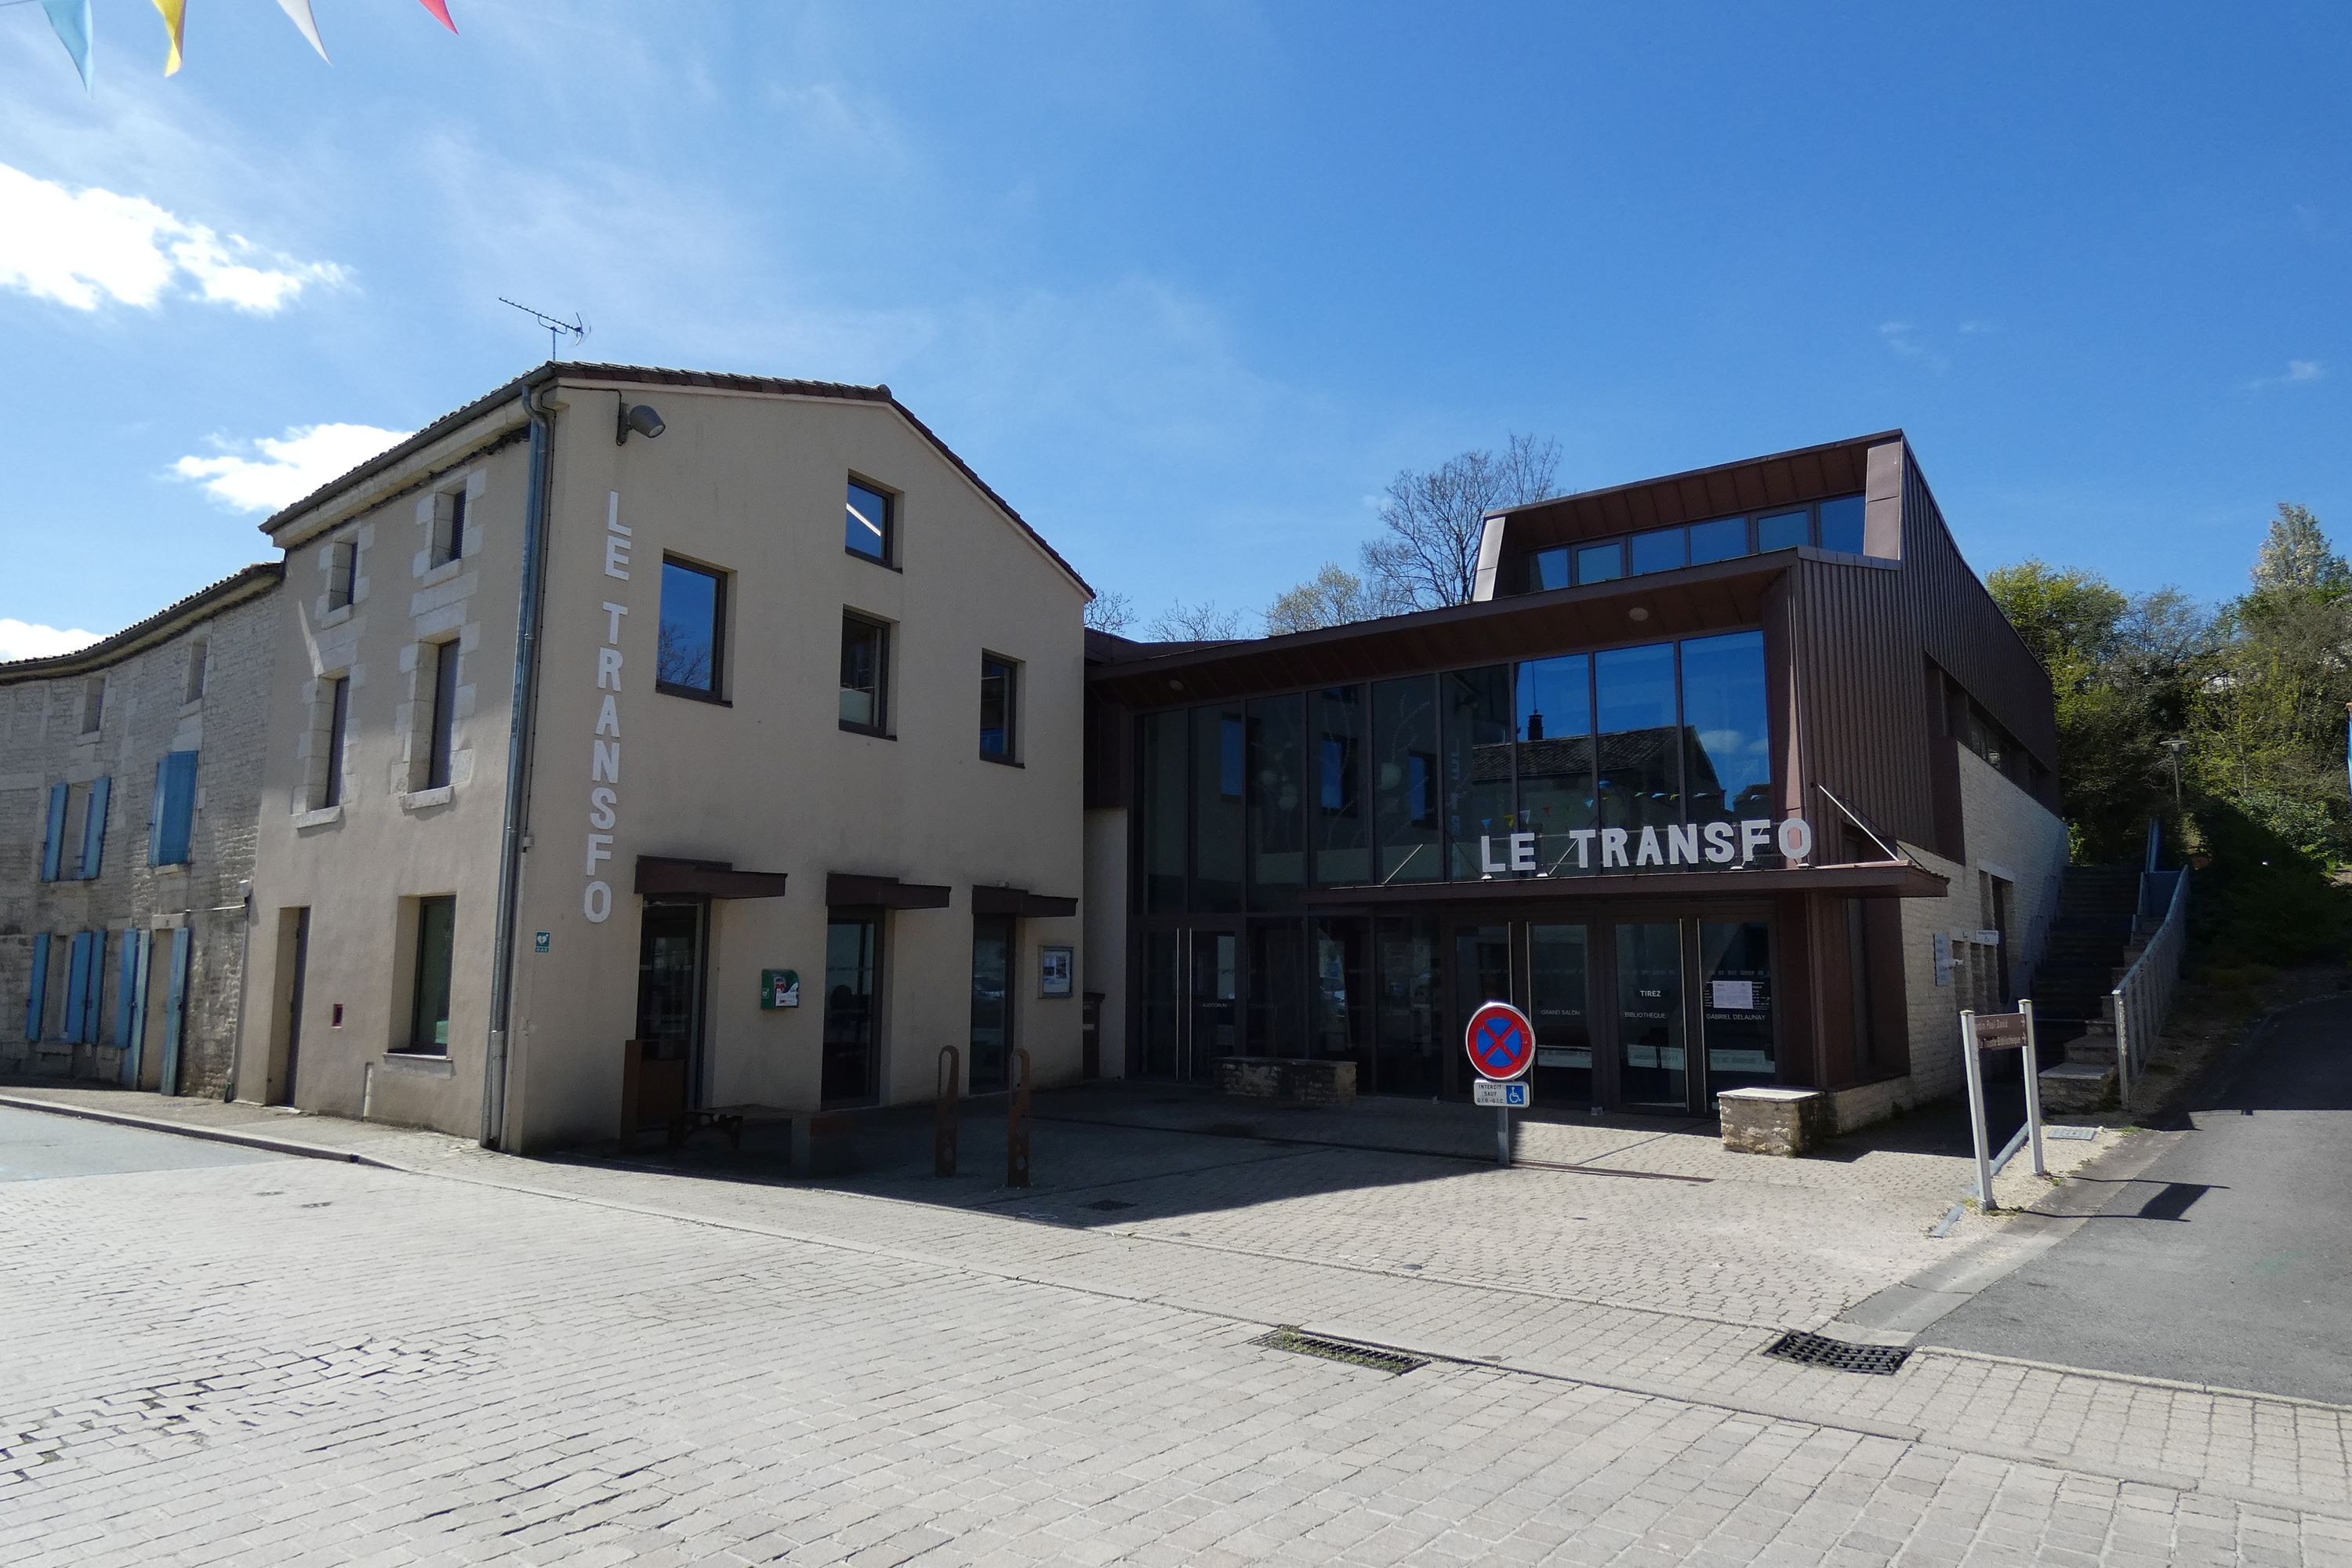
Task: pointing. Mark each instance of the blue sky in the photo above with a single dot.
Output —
(1189, 282)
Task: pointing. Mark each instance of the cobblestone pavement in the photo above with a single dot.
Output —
(479, 1359)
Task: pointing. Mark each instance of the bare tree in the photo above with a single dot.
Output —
(1204, 622)
(1109, 612)
(1333, 597)
(1427, 554)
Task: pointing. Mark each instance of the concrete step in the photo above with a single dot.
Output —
(2094, 1047)
(2070, 1087)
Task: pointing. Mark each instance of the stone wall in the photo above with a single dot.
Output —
(145, 711)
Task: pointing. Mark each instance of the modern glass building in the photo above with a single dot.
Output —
(1707, 779)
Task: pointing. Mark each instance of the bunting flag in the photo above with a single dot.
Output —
(440, 9)
(298, 13)
(71, 19)
(175, 22)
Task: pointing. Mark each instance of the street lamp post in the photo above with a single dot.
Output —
(2176, 746)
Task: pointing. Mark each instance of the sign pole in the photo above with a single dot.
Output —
(2032, 1090)
(1503, 1135)
(1973, 1066)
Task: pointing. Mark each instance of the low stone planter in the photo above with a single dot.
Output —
(1784, 1122)
(1305, 1080)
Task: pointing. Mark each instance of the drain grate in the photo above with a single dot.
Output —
(1105, 1205)
(2083, 1133)
(1395, 1363)
(1819, 1350)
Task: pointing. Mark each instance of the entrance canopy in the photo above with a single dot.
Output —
(664, 876)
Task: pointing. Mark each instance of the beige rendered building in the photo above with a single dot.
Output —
(736, 717)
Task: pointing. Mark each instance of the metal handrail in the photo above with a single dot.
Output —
(2144, 996)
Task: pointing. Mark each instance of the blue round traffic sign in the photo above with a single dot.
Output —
(1501, 1042)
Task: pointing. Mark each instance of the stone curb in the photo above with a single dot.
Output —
(261, 1141)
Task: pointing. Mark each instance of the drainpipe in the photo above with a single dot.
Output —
(519, 732)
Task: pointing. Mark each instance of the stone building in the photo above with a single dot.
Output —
(130, 780)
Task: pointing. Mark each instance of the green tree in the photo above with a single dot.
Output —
(1333, 597)
(2297, 555)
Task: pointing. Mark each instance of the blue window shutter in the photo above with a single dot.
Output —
(93, 830)
(76, 983)
(94, 1007)
(126, 986)
(36, 988)
(175, 1002)
(53, 847)
(175, 809)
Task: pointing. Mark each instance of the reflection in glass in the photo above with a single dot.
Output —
(1216, 1010)
(1784, 529)
(428, 1015)
(1730, 762)
(1736, 1002)
(1548, 569)
(1278, 989)
(853, 961)
(1638, 770)
(1554, 718)
(1277, 830)
(1219, 770)
(1405, 1040)
(1650, 1015)
(1559, 1006)
(1841, 524)
(1482, 973)
(1342, 996)
(1161, 948)
(991, 1006)
(1660, 550)
(1721, 540)
(1404, 784)
(865, 672)
(1161, 796)
(1601, 563)
(867, 528)
(686, 651)
(1342, 829)
(1477, 762)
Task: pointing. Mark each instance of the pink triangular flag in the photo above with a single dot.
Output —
(441, 8)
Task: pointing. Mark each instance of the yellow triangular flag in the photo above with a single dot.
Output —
(175, 21)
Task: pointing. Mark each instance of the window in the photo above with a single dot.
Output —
(1278, 835)
(1554, 718)
(1722, 539)
(448, 526)
(429, 1016)
(199, 652)
(1841, 524)
(445, 713)
(342, 573)
(339, 718)
(1639, 775)
(1601, 563)
(999, 689)
(1404, 778)
(1477, 760)
(867, 530)
(1220, 767)
(1161, 793)
(1342, 829)
(1784, 529)
(693, 637)
(1661, 550)
(93, 828)
(865, 675)
(170, 829)
(1726, 727)
(1548, 569)
(93, 704)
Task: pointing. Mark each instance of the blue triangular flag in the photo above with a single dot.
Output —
(71, 18)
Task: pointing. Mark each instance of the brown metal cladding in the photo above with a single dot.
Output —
(1754, 484)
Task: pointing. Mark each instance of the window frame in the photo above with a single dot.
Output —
(441, 738)
(339, 739)
(1011, 755)
(719, 578)
(881, 629)
(887, 556)
(448, 542)
(93, 706)
(198, 673)
(343, 572)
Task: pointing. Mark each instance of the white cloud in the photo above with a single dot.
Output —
(269, 473)
(28, 640)
(84, 248)
(2298, 372)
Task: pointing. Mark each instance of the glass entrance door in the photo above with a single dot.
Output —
(1736, 1004)
(1215, 1027)
(1651, 1071)
(1482, 973)
(991, 1003)
(1559, 1007)
(669, 1005)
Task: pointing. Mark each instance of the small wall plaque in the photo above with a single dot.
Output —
(779, 988)
(1057, 969)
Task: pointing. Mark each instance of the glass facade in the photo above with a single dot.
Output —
(1833, 524)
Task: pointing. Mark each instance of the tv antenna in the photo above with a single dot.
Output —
(556, 327)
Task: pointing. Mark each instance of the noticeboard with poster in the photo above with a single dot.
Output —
(1057, 971)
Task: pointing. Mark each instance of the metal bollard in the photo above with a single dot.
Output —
(1016, 1124)
(943, 1113)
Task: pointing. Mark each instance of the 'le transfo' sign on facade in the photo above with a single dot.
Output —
(1620, 849)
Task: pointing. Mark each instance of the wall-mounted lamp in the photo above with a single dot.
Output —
(1638, 613)
(639, 417)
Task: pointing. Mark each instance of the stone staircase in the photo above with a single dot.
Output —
(2090, 945)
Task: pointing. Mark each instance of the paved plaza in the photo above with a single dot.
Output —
(219, 1354)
